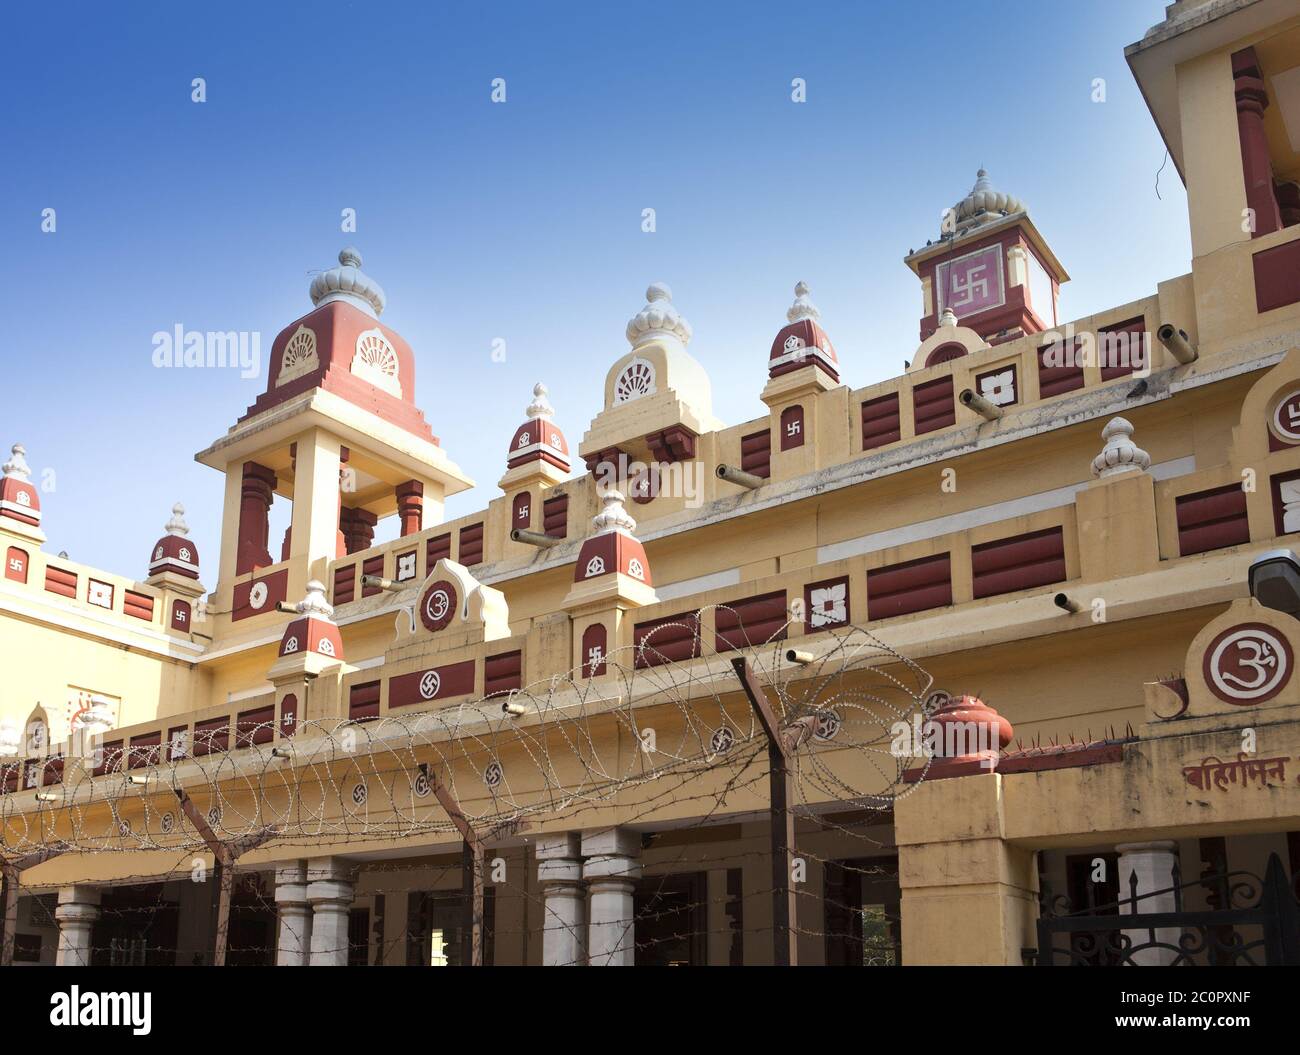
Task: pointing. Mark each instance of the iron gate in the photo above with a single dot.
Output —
(1251, 922)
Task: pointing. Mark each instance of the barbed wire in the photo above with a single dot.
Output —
(663, 738)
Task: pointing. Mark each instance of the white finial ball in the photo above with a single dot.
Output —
(540, 389)
(350, 256)
(658, 291)
(801, 289)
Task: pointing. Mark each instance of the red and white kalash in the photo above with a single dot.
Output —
(612, 548)
(802, 342)
(539, 439)
(20, 503)
(174, 552)
(314, 631)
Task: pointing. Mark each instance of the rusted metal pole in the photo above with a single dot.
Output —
(224, 855)
(471, 941)
(9, 917)
(472, 882)
(785, 951)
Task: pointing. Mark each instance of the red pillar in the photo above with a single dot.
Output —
(1252, 101)
(410, 505)
(254, 512)
(358, 528)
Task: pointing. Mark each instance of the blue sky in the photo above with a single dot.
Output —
(519, 221)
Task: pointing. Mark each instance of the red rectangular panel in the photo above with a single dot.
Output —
(345, 583)
(751, 622)
(211, 736)
(64, 583)
(756, 453)
(428, 686)
(1212, 519)
(555, 516)
(1065, 376)
(16, 564)
(436, 549)
(913, 586)
(251, 600)
(1122, 348)
(363, 701)
(1277, 276)
(503, 672)
(255, 726)
(146, 749)
(933, 405)
(1019, 563)
(881, 423)
(667, 640)
(139, 605)
(470, 546)
(372, 566)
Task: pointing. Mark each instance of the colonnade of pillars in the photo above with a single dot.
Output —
(587, 884)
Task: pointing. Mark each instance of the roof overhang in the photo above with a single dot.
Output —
(356, 428)
(1185, 35)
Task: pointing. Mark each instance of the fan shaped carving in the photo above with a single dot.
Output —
(636, 380)
(376, 361)
(299, 357)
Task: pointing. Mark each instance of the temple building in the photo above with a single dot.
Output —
(521, 735)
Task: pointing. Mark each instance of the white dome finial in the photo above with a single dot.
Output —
(349, 283)
(16, 467)
(540, 407)
(1121, 454)
(658, 318)
(802, 308)
(984, 203)
(314, 603)
(613, 517)
(176, 525)
(948, 317)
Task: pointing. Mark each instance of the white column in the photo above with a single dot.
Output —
(612, 868)
(564, 901)
(293, 943)
(77, 911)
(329, 890)
(1153, 865)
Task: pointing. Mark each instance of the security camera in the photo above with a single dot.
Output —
(1274, 579)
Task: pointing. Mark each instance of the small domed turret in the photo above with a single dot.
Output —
(612, 548)
(314, 630)
(539, 439)
(802, 342)
(174, 552)
(18, 496)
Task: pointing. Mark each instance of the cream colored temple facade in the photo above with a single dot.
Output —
(1056, 515)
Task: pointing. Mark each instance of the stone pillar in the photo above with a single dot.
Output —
(77, 911)
(612, 868)
(293, 944)
(410, 506)
(1152, 865)
(969, 897)
(254, 511)
(564, 901)
(329, 890)
(1257, 167)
